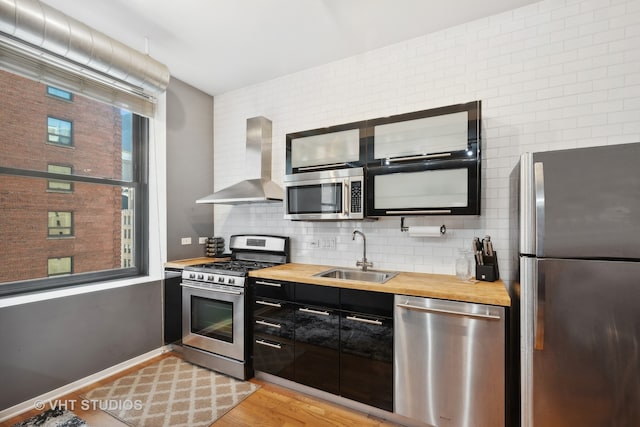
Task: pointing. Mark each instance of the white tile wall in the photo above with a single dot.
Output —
(552, 75)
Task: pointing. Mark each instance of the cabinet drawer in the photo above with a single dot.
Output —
(376, 303)
(273, 289)
(315, 295)
(273, 355)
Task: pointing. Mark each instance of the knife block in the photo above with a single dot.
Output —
(489, 271)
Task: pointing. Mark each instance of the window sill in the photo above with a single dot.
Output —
(75, 290)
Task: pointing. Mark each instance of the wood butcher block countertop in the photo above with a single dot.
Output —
(182, 263)
(416, 284)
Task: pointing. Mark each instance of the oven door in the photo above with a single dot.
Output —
(213, 319)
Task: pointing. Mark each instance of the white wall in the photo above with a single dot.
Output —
(551, 75)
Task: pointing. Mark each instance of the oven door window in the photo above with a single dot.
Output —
(212, 318)
(315, 199)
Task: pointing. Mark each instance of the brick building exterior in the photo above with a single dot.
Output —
(28, 206)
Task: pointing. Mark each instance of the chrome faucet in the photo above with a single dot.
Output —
(363, 262)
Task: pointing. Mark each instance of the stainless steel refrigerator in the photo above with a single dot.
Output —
(579, 260)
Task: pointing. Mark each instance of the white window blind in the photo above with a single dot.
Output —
(42, 43)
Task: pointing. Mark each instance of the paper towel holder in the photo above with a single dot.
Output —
(443, 228)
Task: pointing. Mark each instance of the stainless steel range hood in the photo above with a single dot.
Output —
(258, 187)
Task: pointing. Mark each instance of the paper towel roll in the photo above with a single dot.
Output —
(430, 231)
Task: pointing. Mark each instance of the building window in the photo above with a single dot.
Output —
(60, 224)
(58, 266)
(59, 131)
(59, 93)
(94, 197)
(61, 186)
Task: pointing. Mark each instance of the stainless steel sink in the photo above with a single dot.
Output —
(353, 274)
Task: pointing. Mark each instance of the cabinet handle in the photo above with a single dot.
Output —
(268, 344)
(363, 320)
(312, 168)
(275, 285)
(428, 211)
(455, 313)
(270, 304)
(308, 310)
(273, 325)
(411, 158)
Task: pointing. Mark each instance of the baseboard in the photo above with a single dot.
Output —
(370, 411)
(83, 382)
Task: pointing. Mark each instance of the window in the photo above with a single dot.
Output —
(69, 217)
(59, 131)
(59, 93)
(60, 224)
(62, 186)
(58, 266)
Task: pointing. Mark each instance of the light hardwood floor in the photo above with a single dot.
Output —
(271, 405)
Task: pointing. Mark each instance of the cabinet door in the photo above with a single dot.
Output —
(366, 359)
(172, 307)
(273, 289)
(317, 356)
(449, 132)
(437, 134)
(418, 189)
(334, 147)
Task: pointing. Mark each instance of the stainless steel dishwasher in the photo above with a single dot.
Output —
(449, 363)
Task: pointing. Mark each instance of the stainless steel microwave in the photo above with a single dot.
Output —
(327, 195)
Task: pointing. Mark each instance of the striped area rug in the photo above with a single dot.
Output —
(172, 393)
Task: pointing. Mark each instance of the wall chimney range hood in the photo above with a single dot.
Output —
(258, 187)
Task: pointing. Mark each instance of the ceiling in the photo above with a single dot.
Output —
(221, 45)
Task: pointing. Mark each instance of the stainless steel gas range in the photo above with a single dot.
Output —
(214, 304)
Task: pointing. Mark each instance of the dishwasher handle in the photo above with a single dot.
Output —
(450, 312)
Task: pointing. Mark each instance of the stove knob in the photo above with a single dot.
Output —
(200, 276)
(232, 280)
(192, 275)
(221, 279)
(210, 278)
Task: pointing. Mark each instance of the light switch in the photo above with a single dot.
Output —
(186, 240)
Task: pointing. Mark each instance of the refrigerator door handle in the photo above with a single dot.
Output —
(538, 312)
(538, 182)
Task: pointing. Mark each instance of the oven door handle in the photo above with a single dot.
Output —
(202, 288)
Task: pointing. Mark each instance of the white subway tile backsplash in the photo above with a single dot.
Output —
(554, 74)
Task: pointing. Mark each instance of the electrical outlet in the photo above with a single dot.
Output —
(185, 240)
(202, 240)
(313, 244)
(328, 243)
